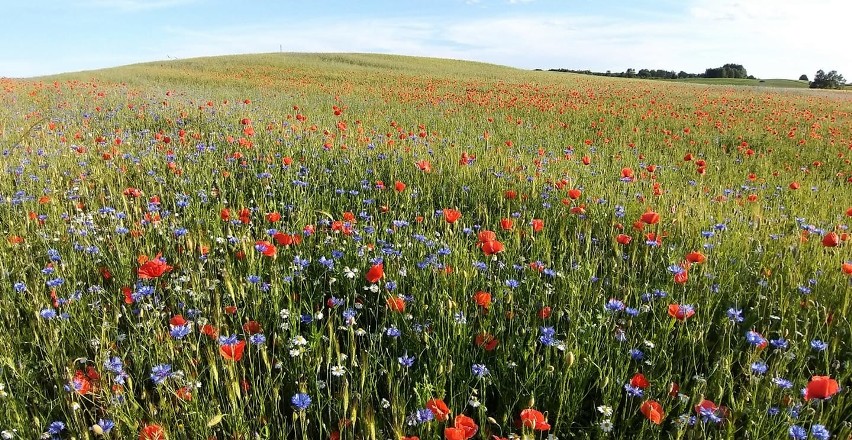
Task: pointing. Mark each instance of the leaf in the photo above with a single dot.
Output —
(215, 420)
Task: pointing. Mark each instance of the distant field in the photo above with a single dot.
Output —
(788, 83)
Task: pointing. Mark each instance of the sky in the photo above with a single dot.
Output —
(771, 38)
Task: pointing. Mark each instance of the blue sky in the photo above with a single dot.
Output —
(771, 38)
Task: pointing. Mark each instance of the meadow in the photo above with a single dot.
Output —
(330, 246)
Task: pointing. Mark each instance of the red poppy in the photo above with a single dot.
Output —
(639, 381)
(537, 224)
(184, 393)
(587, 160)
(81, 383)
(674, 389)
(233, 352)
(491, 247)
(225, 214)
(245, 216)
(650, 218)
(486, 235)
(399, 186)
(623, 239)
(794, 185)
(283, 239)
(821, 387)
(451, 215)
(695, 257)
(152, 432)
(467, 425)
(627, 173)
(506, 224)
(512, 194)
(396, 304)
(653, 411)
(482, 299)
(831, 240)
(574, 194)
(177, 320)
(210, 331)
(454, 434)
(534, 419)
(681, 277)
(424, 166)
(439, 409)
(252, 327)
(846, 268)
(849, 212)
(376, 272)
(486, 341)
(153, 268)
(707, 405)
(680, 312)
(545, 312)
(273, 217)
(266, 248)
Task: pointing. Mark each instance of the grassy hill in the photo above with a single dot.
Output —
(786, 83)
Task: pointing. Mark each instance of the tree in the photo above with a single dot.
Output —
(803, 77)
(830, 80)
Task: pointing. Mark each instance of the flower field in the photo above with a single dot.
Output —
(380, 247)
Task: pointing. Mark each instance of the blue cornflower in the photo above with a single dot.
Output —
(779, 343)
(257, 339)
(614, 305)
(636, 354)
(630, 311)
(406, 360)
(633, 391)
(228, 340)
(180, 331)
(301, 401)
(709, 415)
(20, 287)
(735, 315)
(818, 345)
(797, 432)
(55, 427)
(820, 432)
(546, 336)
(759, 367)
(393, 332)
(160, 373)
(47, 313)
(479, 370)
(512, 283)
(106, 425)
(755, 338)
(783, 383)
(114, 365)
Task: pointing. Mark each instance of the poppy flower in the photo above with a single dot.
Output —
(491, 247)
(849, 212)
(574, 194)
(512, 194)
(506, 224)
(439, 409)
(376, 272)
(266, 248)
(225, 214)
(486, 235)
(273, 217)
(681, 312)
(653, 411)
(451, 215)
(587, 160)
(794, 185)
(695, 257)
(846, 268)
(252, 327)
(650, 218)
(639, 381)
(482, 299)
(466, 424)
(454, 434)
(152, 432)
(534, 419)
(233, 352)
(623, 239)
(424, 166)
(210, 331)
(177, 320)
(707, 405)
(831, 240)
(399, 186)
(681, 277)
(486, 341)
(152, 268)
(282, 239)
(396, 304)
(537, 224)
(627, 173)
(821, 387)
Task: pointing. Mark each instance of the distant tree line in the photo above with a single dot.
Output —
(726, 71)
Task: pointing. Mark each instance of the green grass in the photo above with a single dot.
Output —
(362, 156)
(784, 83)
